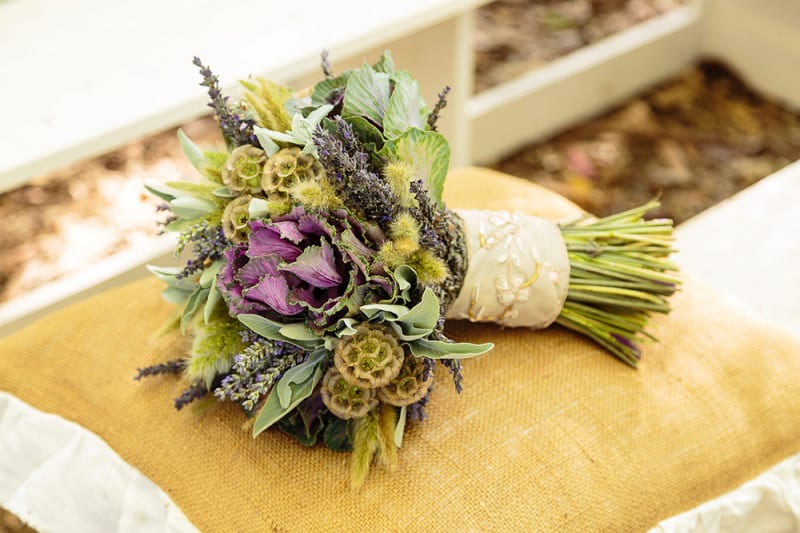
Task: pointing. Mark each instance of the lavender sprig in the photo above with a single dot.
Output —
(170, 367)
(208, 244)
(433, 118)
(327, 71)
(235, 130)
(345, 160)
(454, 366)
(441, 232)
(256, 370)
(198, 390)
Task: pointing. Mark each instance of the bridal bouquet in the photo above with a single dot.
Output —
(323, 263)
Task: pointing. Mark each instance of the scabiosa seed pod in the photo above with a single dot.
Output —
(410, 385)
(370, 358)
(287, 167)
(344, 400)
(242, 172)
(235, 218)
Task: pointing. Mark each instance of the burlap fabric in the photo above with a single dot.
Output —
(550, 433)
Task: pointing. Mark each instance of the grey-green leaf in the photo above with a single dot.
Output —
(367, 94)
(448, 350)
(297, 374)
(267, 144)
(400, 428)
(272, 330)
(385, 63)
(209, 274)
(273, 411)
(298, 332)
(191, 207)
(214, 297)
(406, 107)
(197, 299)
(193, 153)
(162, 191)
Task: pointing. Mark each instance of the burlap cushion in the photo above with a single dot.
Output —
(550, 433)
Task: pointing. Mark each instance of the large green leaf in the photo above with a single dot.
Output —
(324, 88)
(367, 94)
(385, 63)
(273, 410)
(448, 350)
(366, 132)
(427, 152)
(406, 107)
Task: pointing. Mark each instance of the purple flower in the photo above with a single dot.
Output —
(319, 267)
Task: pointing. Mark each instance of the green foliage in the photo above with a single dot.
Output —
(427, 152)
(300, 133)
(366, 95)
(406, 108)
(337, 434)
(296, 385)
(266, 100)
(304, 423)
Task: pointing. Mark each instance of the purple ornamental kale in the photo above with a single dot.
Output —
(311, 266)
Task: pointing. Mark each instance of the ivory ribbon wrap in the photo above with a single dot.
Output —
(517, 270)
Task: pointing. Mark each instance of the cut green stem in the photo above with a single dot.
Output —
(619, 275)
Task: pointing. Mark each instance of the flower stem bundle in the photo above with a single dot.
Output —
(619, 274)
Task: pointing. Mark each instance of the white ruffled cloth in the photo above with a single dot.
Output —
(59, 477)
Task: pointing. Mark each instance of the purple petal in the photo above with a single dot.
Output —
(274, 292)
(306, 296)
(317, 266)
(311, 225)
(251, 273)
(289, 230)
(267, 241)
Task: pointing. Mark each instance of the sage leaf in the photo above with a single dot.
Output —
(399, 430)
(194, 154)
(274, 411)
(448, 350)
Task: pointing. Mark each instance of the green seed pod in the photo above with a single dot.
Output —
(287, 167)
(344, 400)
(370, 358)
(242, 172)
(235, 218)
(409, 386)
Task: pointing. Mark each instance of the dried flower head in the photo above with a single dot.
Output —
(410, 386)
(344, 400)
(370, 358)
(242, 172)
(235, 218)
(288, 166)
